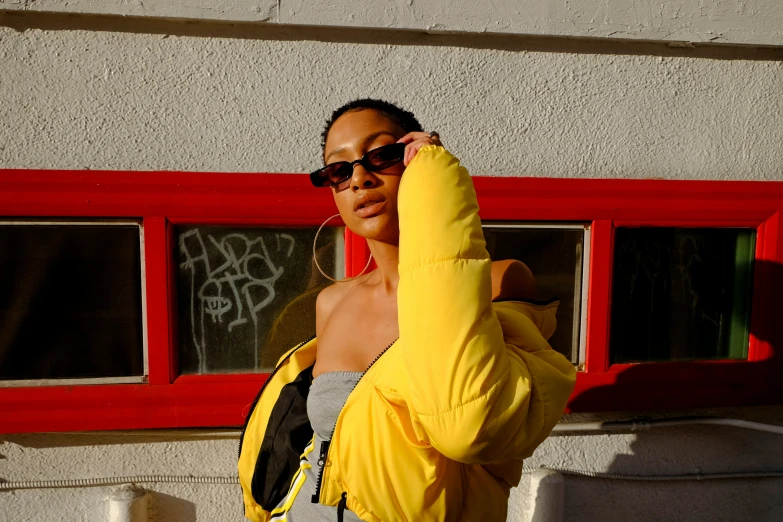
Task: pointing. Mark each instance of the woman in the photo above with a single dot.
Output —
(421, 396)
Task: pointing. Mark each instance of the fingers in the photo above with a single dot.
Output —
(411, 136)
(413, 148)
(414, 141)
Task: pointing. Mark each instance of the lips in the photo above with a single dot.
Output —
(369, 204)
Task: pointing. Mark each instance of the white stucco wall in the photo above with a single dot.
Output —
(79, 99)
(757, 22)
(86, 99)
(665, 451)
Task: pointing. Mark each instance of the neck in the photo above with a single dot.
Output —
(387, 257)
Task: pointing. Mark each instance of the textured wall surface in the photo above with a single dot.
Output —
(115, 100)
(727, 21)
(705, 449)
(53, 457)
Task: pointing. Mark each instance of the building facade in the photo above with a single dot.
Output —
(637, 114)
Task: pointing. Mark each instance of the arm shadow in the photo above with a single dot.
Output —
(689, 449)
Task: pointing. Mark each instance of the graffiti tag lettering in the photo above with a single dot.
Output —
(238, 288)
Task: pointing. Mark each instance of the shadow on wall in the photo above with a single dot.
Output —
(754, 500)
(684, 450)
(692, 449)
(171, 509)
(642, 385)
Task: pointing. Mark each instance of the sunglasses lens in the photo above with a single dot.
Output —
(331, 175)
(375, 160)
(384, 157)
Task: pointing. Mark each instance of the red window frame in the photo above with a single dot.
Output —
(163, 200)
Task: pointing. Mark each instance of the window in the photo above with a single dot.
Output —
(554, 252)
(166, 260)
(732, 228)
(70, 303)
(246, 295)
(681, 294)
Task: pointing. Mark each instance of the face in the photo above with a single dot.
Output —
(367, 201)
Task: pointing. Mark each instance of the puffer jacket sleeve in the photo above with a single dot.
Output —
(479, 399)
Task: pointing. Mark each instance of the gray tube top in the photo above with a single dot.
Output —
(328, 393)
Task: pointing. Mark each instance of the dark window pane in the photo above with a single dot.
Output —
(70, 301)
(554, 255)
(247, 294)
(681, 294)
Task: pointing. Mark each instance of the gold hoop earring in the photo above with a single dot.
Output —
(315, 260)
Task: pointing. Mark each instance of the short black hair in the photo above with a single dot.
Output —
(405, 119)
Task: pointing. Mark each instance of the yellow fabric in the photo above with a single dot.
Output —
(439, 425)
(287, 370)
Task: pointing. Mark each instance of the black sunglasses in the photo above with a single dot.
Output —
(374, 161)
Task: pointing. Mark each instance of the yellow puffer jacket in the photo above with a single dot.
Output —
(437, 427)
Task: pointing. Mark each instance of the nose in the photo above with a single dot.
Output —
(362, 178)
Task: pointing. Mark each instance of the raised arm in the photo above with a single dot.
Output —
(479, 398)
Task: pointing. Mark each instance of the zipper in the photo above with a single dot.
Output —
(321, 461)
(258, 397)
(322, 457)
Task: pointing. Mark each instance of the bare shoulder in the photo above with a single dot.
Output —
(328, 299)
(512, 279)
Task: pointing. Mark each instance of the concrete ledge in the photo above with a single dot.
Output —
(28, 20)
(229, 10)
(757, 22)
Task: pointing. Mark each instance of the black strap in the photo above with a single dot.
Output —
(341, 506)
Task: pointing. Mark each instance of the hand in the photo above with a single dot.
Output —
(415, 141)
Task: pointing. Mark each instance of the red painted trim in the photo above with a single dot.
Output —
(755, 347)
(156, 263)
(773, 277)
(674, 368)
(599, 296)
(172, 194)
(279, 221)
(688, 384)
(125, 406)
(689, 224)
(348, 240)
(674, 386)
(543, 199)
(289, 196)
(165, 199)
(766, 332)
(223, 378)
(357, 253)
